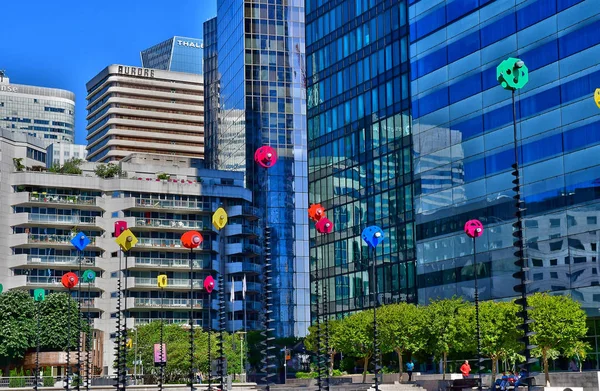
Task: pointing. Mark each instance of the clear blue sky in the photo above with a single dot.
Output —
(64, 43)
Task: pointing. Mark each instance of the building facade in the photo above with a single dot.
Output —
(132, 109)
(58, 153)
(45, 113)
(360, 150)
(261, 99)
(463, 146)
(177, 54)
(45, 210)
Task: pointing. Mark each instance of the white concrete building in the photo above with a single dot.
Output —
(58, 153)
(43, 210)
(133, 109)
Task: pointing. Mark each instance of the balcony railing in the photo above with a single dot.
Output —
(143, 321)
(176, 243)
(53, 280)
(175, 263)
(173, 204)
(59, 260)
(171, 282)
(170, 223)
(169, 303)
(54, 239)
(61, 219)
(62, 199)
(88, 303)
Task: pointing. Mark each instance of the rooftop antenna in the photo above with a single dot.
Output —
(2, 74)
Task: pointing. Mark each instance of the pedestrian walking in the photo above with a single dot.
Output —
(410, 366)
(465, 369)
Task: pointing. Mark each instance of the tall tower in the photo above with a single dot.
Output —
(262, 102)
(359, 151)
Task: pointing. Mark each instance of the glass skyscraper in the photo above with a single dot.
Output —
(359, 142)
(463, 144)
(361, 110)
(177, 54)
(261, 101)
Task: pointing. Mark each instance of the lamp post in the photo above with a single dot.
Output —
(266, 157)
(373, 235)
(69, 281)
(191, 240)
(126, 240)
(474, 229)
(512, 74)
(39, 295)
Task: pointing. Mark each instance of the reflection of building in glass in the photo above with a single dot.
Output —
(177, 54)
(261, 97)
(212, 88)
(359, 136)
(456, 50)
(132, 109)
(45, 113)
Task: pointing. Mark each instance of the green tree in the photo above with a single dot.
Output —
(310, 342)
(499, 336)
(57, 312)
(356, 337)
(559, 322)
(401, 328)
(17, 325)
(71, 167)
(578, 350)
(442, 327)
(109, 170)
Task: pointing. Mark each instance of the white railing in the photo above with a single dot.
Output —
(62, 199)
(170, 223)
(157, 303)
(59, 260)
(173, 204)
(55, 239)
(65, 219)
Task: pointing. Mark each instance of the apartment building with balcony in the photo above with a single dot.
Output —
(141, 110)
(44, 210)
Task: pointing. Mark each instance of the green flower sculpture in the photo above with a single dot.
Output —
(512, 74)
(89, 276)
(39, 294)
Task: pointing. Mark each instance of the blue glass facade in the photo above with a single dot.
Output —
(359, 138)
(177, 54)
(463, 145)
(261, 96)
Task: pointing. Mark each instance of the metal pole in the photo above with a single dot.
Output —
(79, 377)
(375, 347)
(318, 323)
(285, 365)
(162, 326)
(191, 319)
(521, 261)
(245, 325)
(241, 354)
(118, 323)
(477, 315)
(67, 387)
(37, 348)
(89, 340)
(124, 335)
(209, 341)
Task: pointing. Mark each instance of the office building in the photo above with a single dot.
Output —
(456, 100)
(59, 153)
(44, 210)
(45, 113)
(177, 54)
(360, 151)
(261, 89)
(133, 109)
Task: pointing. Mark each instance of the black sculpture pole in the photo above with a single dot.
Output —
(67, 387)
(375, 344)
(37, 346)
(88, 339)
(79, 377)
(327, 357)
(318, 324)
(477, 314)
(124, 333)
(192, 319)
(118, 323)
(162, 327)
(209, 341)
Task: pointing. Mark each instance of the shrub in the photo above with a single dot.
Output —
(109, 170)
(306, 375)
(16, 378)
(48, 380)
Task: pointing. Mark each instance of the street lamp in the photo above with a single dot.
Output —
(474, 229)
(373, 235)
(512, 74)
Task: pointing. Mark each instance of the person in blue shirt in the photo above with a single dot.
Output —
(409, 369)
(520, 381)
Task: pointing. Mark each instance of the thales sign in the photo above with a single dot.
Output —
(190, 44)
